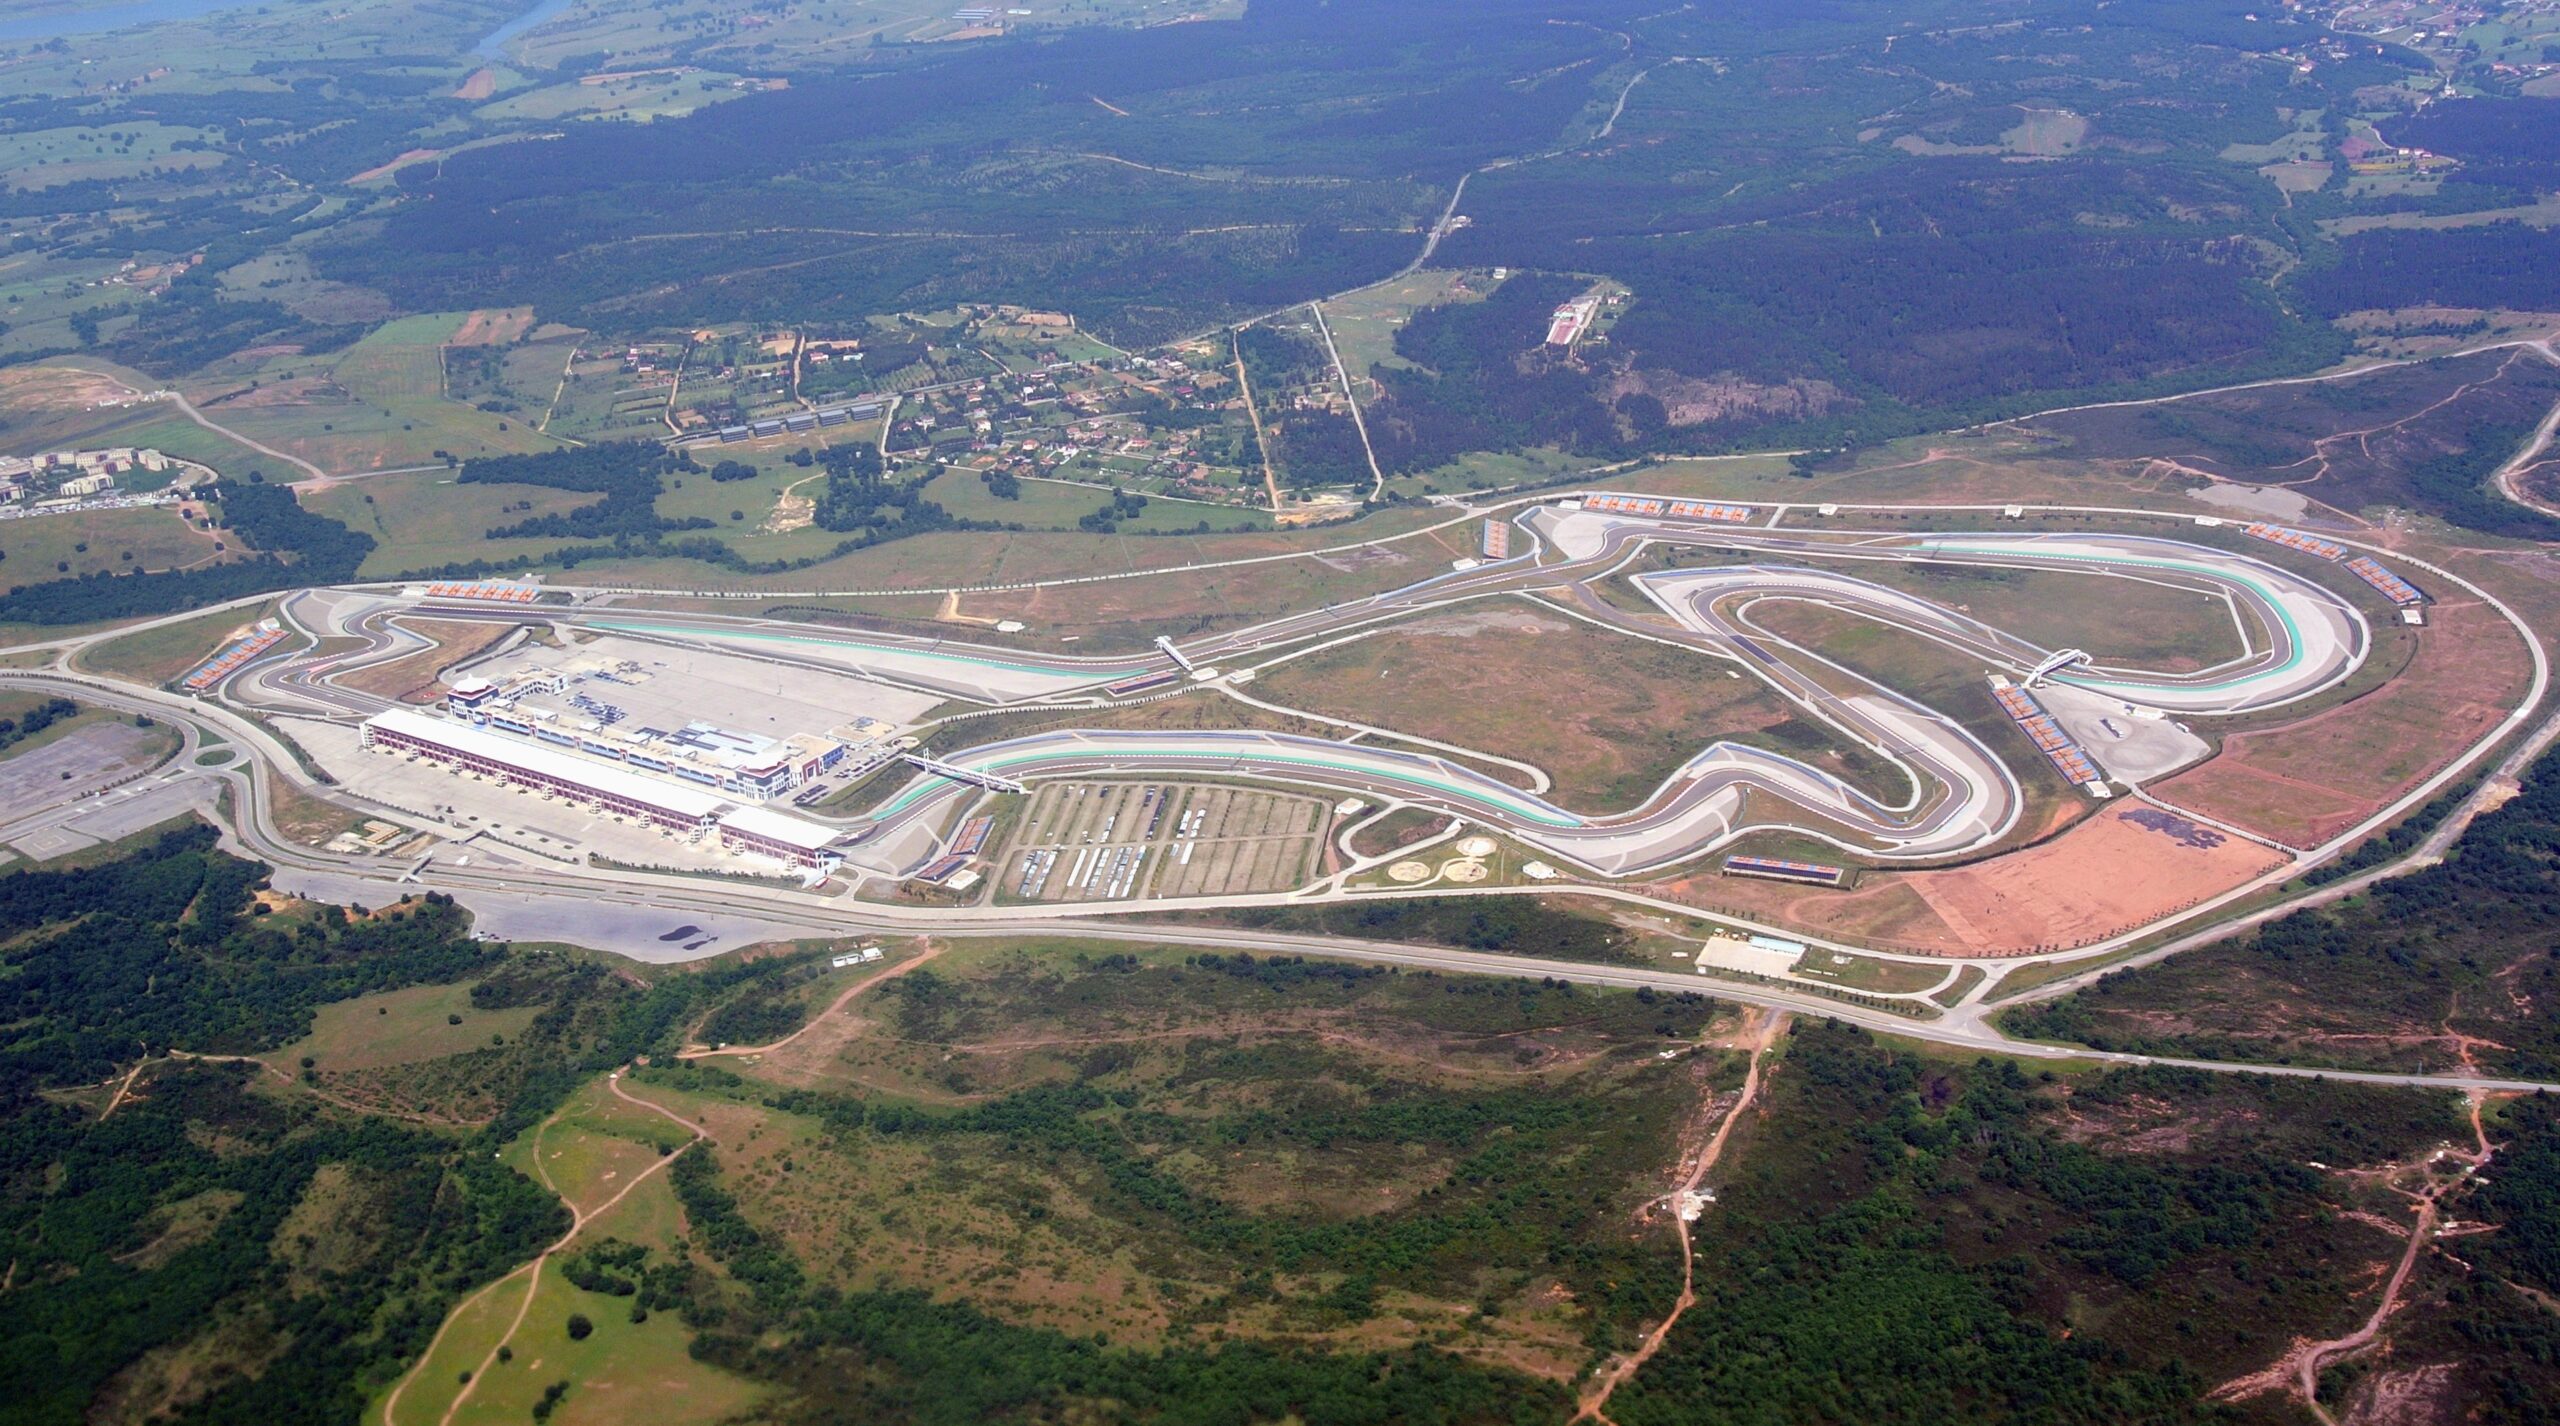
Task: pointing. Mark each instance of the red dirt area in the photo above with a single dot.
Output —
(2123, 868)
(2307, 781)
(481, 84)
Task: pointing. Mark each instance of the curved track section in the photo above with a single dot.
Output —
(1958, 795)
(1961, 798)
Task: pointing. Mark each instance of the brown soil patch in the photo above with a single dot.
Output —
(2125, 867)
(44, 388)
(1883, 910)
(403, 161)
(492, 327)
(2309, 780)
(413, 679)
(2419, 1397)
(482, 83)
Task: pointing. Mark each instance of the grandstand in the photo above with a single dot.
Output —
(1711, 510)
(1610, 504)
(493, 590)
(1777, 869)
(2066, 754)
(1157, 678)
(945, 870)
(234, 656)
(1497, 540)
(2311, 545)
(2394, 588)
(1613, 504)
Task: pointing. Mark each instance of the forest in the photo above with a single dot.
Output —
(629, 474)
(171, 948)
(1900, 1249)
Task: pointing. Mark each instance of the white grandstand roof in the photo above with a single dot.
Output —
(781, 827)
(672, 797)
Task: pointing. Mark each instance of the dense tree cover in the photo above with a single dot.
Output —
(2522, 1195)
(160, 950)
(2515, 142)
(905, 1356)
(2457, 485)
(194, 1218)
(859, 497)
(1123, 505)
(2445, 945)
(77, 1200)
(1893, 1253)
(1487, 381)
(321, 551)
(165, 949)
(629, 474)
(1369, 93)
(2503, 264)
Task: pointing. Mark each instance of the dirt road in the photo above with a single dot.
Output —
(1595, 1401)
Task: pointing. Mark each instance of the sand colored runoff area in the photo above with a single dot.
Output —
(2129, 865)
(2305, 781)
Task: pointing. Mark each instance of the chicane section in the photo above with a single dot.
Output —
(1963, 797)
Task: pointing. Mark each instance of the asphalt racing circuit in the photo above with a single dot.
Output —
(2298, 637)
(1957, 797)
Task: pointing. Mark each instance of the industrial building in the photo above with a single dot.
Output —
(686, 812)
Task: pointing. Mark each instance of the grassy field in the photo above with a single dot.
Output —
(2117, 620)
(66, 546)
(1608, 717)
(380, 404)
(422, 519)
(639, 96)
(155, 656)
(44, 158)
(1052, 505)
(938, 561)
(68, 404)
(1490, 470)
(1366, 322)
(589, 1152)
(402, 1027)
